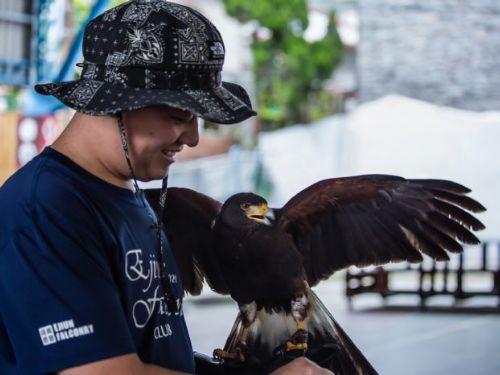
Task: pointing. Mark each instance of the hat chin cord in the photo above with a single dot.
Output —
(123, 137)
(170, 299)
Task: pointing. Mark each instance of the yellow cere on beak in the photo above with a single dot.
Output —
(259, 214)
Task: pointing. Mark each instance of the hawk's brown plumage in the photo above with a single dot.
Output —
(332, 224)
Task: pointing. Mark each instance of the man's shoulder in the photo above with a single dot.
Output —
(42, 181)
(43, 190)
(40, 175)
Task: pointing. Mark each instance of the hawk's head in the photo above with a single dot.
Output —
(244, 209)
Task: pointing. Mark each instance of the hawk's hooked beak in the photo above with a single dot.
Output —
(261, 214)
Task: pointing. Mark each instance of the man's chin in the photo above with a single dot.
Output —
(154, 176)
(161, 174)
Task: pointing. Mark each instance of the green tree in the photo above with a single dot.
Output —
(289, 70)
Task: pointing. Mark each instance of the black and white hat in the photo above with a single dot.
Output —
(153, 52)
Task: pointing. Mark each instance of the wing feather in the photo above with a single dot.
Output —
(188, 222)
(375, 219)
(459, 200)
(458, 215)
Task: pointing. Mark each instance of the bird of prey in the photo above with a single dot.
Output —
(267, 259)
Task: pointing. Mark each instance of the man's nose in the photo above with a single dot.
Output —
(190, 136)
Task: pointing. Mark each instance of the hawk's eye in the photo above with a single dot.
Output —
(245, 206)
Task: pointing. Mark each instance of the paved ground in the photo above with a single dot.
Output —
(397, 340)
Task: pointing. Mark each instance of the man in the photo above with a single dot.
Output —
(88, 284)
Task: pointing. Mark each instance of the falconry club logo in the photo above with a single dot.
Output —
(65, 330)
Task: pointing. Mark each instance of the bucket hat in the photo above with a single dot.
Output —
(155, 52)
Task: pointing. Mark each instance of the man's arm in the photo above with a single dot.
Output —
(128, 364)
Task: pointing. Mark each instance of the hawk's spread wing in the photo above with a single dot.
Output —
(188, 219)
(375, 219)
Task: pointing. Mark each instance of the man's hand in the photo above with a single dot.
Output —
(302, 366)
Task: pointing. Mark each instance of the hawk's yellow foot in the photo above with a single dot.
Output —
(237, 355)
(298, 341)
(291, 346)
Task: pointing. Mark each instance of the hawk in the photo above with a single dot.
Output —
(267, 259)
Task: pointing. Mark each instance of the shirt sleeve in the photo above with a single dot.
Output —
(58, 299)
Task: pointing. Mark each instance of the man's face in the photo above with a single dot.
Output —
(155, 134)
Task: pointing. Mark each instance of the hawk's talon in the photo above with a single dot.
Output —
(300, 336)
(298, 341)
(236, 355)
(296, 346)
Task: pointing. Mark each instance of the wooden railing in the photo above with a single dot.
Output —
(451, 278)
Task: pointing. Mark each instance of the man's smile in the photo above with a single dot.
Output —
(170, 153)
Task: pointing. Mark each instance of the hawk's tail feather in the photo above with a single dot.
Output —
(270, 331)
(364, 367)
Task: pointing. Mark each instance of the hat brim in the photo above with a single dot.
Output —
(226, 104)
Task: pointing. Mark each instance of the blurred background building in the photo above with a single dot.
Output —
(441, 51)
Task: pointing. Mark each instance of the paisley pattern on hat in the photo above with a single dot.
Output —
(83, 93)
(190, 52)
(90, 71)
(138, 13)
(112, 75)
(111, 14)
(214, 110)
(152, 77)
(51, 89)
(149, 79)
(116, 58)
(145, 45)
(231, 101)
(191, 18)
(187, 17)
(192, 42)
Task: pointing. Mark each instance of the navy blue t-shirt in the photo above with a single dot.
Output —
(79, 278)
